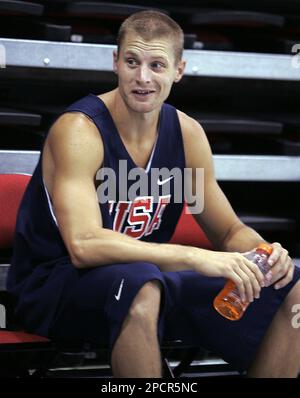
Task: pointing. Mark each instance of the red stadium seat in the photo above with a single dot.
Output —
(188, 232)
(15, 345)
(12, 187)
(19, 337)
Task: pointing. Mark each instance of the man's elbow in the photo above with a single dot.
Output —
(85, 250)
(76, 251)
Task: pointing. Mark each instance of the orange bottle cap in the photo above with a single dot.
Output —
(266, 247)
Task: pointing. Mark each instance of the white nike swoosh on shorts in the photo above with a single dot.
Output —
(118, 295)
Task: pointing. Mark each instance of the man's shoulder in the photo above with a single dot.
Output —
(191, 128)
(72, 130)
(197, 148)
(72, 122)
(73, 117)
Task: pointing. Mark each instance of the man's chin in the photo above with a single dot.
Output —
(142, 107)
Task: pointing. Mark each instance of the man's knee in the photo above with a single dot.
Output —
(146, 304)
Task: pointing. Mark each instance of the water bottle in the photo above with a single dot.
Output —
(228, 302)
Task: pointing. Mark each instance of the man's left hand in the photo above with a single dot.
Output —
(282, 266)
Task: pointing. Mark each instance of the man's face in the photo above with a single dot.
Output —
(146, 72)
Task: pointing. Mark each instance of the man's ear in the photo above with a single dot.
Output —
(115, 60)
(179, 70)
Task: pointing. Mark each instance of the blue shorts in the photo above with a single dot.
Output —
(96, 301)
(90, 306)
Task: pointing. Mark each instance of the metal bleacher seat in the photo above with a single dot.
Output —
(235, 17)
(237, 124)
(20, 22)
(230, 29)
(20, 7)
(93, 8)
(20, 127)
(237, 134)
(17, 117)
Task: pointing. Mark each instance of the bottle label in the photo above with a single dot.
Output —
(260, 260)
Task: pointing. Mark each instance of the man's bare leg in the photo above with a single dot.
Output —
(136, 352)
(279, 353)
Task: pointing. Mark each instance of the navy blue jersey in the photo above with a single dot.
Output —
(37, 237)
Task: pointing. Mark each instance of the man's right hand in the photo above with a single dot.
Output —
(234, 266)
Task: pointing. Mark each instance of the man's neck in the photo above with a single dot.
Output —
(132, 126)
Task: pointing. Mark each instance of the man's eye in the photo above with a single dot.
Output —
(157, 65)
(131, 62)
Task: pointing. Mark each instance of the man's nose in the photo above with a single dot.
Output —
(143, 74)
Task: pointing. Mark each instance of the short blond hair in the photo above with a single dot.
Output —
(150, 25)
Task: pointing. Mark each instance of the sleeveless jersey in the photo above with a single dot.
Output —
(37, 237)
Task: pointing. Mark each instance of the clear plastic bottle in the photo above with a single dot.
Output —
(228, 302)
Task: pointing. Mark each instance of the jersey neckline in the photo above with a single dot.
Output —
(124, 152)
